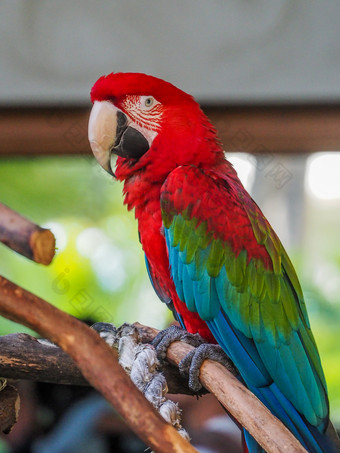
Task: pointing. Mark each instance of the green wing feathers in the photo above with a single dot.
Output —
(225, 257)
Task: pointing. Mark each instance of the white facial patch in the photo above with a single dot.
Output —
(145, 115)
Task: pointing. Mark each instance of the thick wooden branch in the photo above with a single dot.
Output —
(97, 362)
(26, 238)
(24, 357)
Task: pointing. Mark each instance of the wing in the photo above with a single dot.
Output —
(161, 292)
(229, 266)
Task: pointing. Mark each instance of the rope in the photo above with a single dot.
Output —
(141, 363)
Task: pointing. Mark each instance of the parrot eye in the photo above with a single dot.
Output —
(147, 102)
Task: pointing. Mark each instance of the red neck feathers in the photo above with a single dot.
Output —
(189, 140)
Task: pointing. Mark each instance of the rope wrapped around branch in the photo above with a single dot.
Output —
(140, 362)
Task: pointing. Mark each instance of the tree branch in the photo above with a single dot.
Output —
(26, 238)
(24, 357)
(82, 344)
(97, 362)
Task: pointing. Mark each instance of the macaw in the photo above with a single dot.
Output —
(210, 252)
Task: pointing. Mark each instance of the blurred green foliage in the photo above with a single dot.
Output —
(99, 272)
(319, 270)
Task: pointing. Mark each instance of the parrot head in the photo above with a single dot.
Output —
(148, 122)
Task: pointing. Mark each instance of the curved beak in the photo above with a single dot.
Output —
(109, 132)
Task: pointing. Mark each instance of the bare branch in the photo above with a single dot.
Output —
(24, 357)
(26, 238)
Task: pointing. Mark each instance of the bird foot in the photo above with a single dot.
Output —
(163, 340)
(189, 367)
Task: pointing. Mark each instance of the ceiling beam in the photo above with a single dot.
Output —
(254, 129)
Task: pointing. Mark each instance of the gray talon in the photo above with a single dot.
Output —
(163, 340)
(192, 362)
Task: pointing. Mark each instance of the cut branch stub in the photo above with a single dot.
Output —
(25, 237)
(9, 408)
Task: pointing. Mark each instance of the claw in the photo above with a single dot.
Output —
(192, 362)
(190, 366)
(163, 340)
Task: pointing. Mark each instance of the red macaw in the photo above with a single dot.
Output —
(210, 252)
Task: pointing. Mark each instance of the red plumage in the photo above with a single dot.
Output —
(187, 138)
(118, 85)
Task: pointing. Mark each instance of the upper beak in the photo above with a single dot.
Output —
(110, 132)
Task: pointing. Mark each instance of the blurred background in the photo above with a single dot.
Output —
(266, 73)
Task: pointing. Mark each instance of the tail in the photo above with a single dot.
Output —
(331, 445)
(314, 440)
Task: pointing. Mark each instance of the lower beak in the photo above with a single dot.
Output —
(110, 133)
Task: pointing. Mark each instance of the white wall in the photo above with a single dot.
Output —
(220, 51)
